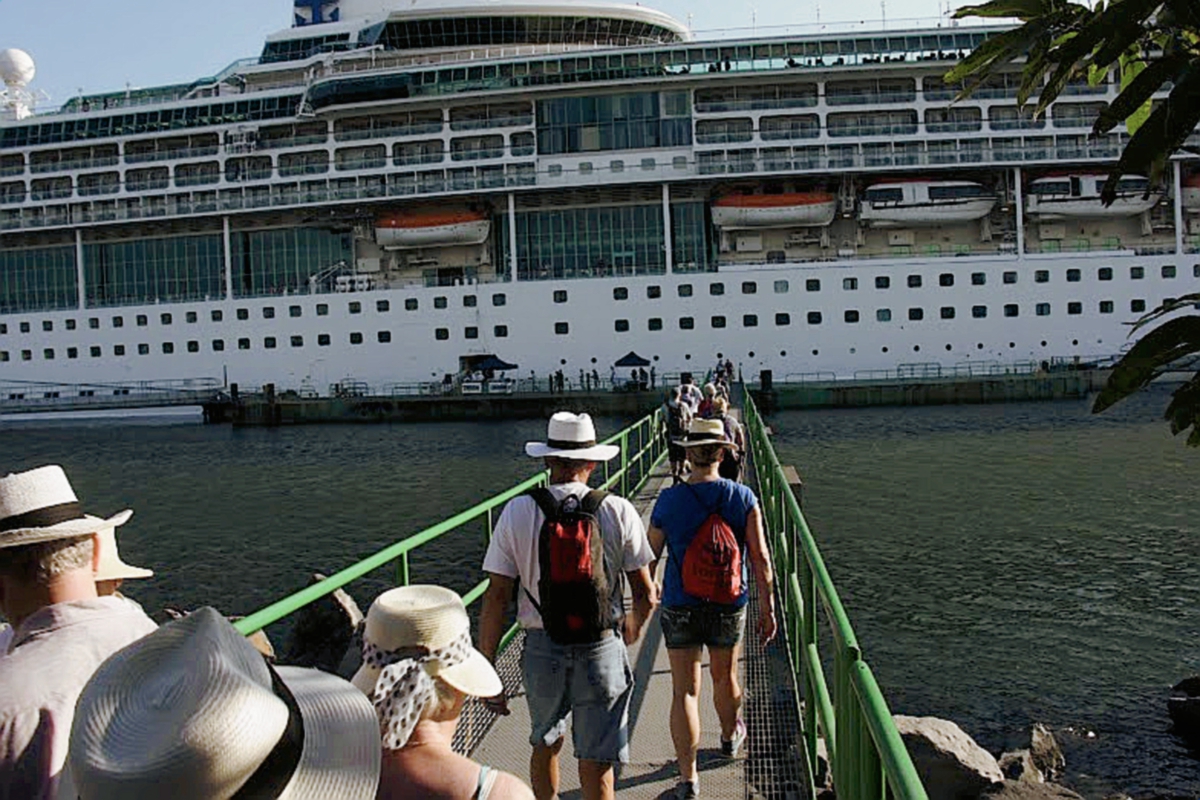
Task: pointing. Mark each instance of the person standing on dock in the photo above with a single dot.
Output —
(571, 606)
(710, 528)
(62, 630)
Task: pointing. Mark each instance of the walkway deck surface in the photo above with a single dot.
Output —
(770, 766)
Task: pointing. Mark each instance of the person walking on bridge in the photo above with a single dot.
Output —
(571, 549)
(710, 527)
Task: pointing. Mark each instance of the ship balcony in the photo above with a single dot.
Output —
(170, 155)
(71, 165)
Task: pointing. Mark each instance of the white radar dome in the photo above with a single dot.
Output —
(16, 67)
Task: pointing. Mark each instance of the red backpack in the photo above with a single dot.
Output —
(576, 582)
(711, 569)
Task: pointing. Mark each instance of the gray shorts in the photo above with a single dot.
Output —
(592, 681)
(710, 626)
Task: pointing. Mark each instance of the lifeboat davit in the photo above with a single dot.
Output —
(409, 230)
(903, 204)
(1077, 196)
(785, 210)
(1191, 193)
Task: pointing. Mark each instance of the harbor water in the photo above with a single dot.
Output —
(1002, 565)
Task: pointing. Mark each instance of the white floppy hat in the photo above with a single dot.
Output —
(571, 436)
(40, 506)
(426, 619)
(194, 712)
(112, 568)
(702, 432)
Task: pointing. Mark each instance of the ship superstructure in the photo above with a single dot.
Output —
(385, 191)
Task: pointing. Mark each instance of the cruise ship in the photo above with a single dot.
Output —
(391, 190)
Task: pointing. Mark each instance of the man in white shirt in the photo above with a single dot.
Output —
(591, 679)
(62, 630)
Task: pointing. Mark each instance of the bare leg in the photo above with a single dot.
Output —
(685, 710)
(727, 692)
(596, 780)
(543, 770)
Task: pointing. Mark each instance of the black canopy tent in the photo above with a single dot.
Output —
(632, 359)
(494, 363)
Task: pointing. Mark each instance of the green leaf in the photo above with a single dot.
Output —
(1139, 91)
(1002, 48)
(1171, 341)
(1019, 9)
(1163, 310)
(1183, 412)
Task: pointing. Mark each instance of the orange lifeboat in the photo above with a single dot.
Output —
(783, 210)
(407, 230)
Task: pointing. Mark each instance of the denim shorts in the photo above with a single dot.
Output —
(592, 681)
(710, 626)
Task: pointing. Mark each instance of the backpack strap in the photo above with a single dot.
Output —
(592, 500)
(549, 507)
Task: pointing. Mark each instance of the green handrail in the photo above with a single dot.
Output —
(648, 434)
(866, 753)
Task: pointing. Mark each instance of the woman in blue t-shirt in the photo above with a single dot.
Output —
(691, 623)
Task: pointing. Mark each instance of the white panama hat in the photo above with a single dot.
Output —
(571, 436)
(112, 568)
(40, 506)
(703, 432)
(193, 712)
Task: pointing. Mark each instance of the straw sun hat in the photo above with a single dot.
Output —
(112, 568)
(40, 506)
(571, 436)
(193, 712)
(705, 431)
(412, 635)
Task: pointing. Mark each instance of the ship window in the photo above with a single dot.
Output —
(143, 349)
(946, 279)
(24, 326)
(243, 313)
(500, 331)
(73, 352)
(653, 292)
(93, 323)
(297, 341)
(883, 315)
(783, 318)
(1137, 306)
(191, 317)
(850, 284)
(889, 195)
(294, 311)
(268, 312)
(781, 287)
(471, 332)
(947, 312)
(356, 307)
(686, 323)
(1073, 276)
(323, 340)
(439, 302)
(1011, 310)
(554, 170)
(218, 345)
(914, 281)
(978, 312)
(654, 324)
(27, 355)
(851, 315)
(411, 304)
(812, 285)
(883, 282)
(616, 165)
(356, 338)
(585, 168)
(561, 329)
(269, 342)
(470, 300)
(168, 348)
(193, 346)
(620, 293)
(322, 309)
(1137, 273)
(1195, 274)
(749, 287)
(441, 334)
(684, 290)
(217, 315)
(4, 355)
(243, 344)
(750, 321)
(1168, 271)
(718, 322)
(48, 326)
(1105, 273)
(1074, 308)
(560, 295)
(1041, 276)
(4, 327)
(1042, 309)
(499, 299)
(716, 289)
(621, 326)
(48, 354)
(1106, 306)
(70, 324)
(814, 318)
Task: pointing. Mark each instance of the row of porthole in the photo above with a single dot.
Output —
(193, 346)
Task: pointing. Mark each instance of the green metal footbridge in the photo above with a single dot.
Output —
(816, 715)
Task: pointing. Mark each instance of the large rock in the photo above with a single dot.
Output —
(1017, 765)
(950, 763)
(1022, 790)
(1047, 755)
(323, 631)
(1184, 707)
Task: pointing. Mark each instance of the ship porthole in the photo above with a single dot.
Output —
(656, 358)
(916, 348)
(1043, 342)
(783, 353)
(815, 352)
(1074, 342)
(884, 349)
(1012, 344)
(853, 350)
(593, 359)
(720, 355)
(979, 346)
(562, 361)
(751, 354)
(948, 348)
(687, 357)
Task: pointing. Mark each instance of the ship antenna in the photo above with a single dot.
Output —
(883, 13)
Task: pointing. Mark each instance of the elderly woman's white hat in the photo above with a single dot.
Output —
(111, 567)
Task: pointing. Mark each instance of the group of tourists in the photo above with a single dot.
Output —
(98, 702)
(687, 402)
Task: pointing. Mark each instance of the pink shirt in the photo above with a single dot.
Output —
(53, 654)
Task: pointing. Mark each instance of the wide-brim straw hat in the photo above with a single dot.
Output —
(426, 618)
(571, 436)
(112, 568)
(194, 712)
(40, 506)
(702, 432)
